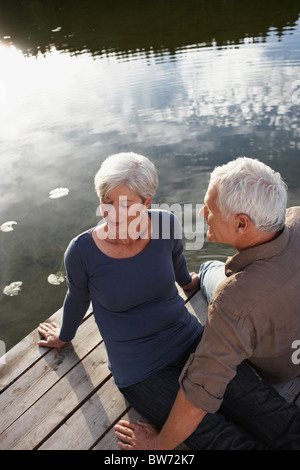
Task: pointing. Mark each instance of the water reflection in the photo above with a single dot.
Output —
(189, 99)
(102, 28)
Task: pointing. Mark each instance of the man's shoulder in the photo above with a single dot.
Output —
(292, 216)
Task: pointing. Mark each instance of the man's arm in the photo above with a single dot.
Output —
(181, 423)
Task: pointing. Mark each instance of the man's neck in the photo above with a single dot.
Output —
(257, 238)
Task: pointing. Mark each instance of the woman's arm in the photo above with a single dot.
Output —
(76, 302)
(188, 281)
(194, 284)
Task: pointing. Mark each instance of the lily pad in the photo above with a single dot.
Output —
(58, 192)
(56, 279)
(8, 226)
(13, 288)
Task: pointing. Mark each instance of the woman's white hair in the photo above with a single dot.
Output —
(248, 186)
(135, 171)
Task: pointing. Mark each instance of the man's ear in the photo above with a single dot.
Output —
(242, 223)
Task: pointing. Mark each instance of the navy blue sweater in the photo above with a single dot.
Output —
(141, 317)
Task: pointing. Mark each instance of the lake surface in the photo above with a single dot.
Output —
(189, 84)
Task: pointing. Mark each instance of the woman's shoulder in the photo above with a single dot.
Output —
(78, 243)
(165, 224)
(163, 214)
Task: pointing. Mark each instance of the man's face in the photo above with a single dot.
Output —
(219, 230)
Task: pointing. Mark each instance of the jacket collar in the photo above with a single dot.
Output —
(255, 253)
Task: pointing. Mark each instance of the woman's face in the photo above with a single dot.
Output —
(124, 212)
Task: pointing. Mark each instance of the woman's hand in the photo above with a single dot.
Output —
(50, 331)
(194, 284)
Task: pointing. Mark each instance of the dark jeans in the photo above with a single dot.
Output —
(252, 416)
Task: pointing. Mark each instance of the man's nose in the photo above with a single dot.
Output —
(203, 212)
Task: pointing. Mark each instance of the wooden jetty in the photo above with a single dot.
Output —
(66, 399)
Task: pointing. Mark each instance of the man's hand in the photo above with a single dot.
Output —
(50, 331)
(136, 436)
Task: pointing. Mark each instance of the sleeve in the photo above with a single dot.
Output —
(226, 342)
(77, 300)
(182, 274)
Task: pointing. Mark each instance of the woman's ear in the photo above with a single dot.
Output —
(148, 202)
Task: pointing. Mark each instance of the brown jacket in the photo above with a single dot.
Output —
(254, 315)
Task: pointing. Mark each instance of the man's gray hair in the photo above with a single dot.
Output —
(135, 171)
(248, 186)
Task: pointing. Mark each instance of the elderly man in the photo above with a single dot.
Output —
(254, 310)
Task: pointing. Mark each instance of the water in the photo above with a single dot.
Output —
(189, 84)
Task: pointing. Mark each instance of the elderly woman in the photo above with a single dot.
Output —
(127, 267)
(129, 275)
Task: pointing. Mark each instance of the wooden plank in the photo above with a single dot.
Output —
(197, 305)
(186, 294)
(18, 359)
(24, 354)
(58, 403)
(38, 379)
(85, 427)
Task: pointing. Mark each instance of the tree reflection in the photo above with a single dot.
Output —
(129, 26)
